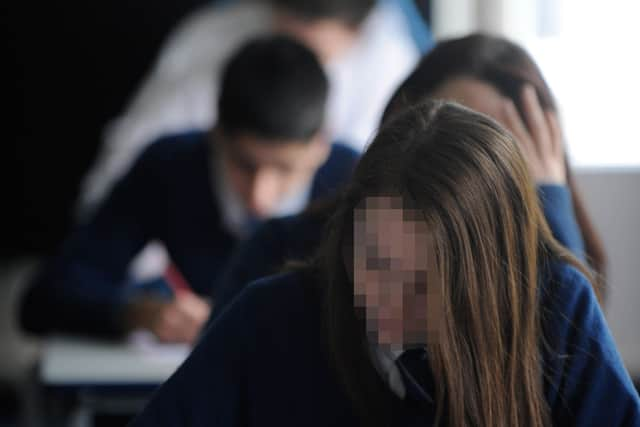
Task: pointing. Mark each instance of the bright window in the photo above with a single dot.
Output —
(591, 59)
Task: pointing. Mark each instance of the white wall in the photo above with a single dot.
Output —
(613, 200)
(516, 19)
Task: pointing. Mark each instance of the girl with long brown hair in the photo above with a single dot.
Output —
(439, 297)
(495, 76)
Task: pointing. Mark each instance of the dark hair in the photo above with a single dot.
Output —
(469, 181)
(505, 66)
(351, 12)
(275, 88)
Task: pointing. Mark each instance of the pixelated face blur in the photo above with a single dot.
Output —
(263, 173)
(394, 274)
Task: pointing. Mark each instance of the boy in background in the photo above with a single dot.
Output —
(198, 193)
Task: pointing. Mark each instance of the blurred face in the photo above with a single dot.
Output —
(472, 93)
(263, 173)
(394, 274)
(328, 38)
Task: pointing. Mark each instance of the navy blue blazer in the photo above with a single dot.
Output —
(263, 362)
(296, 238)
(166, 196)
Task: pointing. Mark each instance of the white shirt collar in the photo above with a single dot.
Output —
(235, 217)
(385, 362)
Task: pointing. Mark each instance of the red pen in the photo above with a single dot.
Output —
(176, 279)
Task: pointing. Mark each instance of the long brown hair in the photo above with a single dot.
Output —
(506, 67)
(466, 175)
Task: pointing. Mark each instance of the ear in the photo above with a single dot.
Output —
(320, 147)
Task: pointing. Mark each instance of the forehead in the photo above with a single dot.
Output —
(387, 232)
(259, 150)
(380, 208)
(472, 93)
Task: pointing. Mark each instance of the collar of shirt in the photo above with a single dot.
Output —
(385, 362)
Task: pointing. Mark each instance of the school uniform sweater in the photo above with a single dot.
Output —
(168, 196)
(264, 362)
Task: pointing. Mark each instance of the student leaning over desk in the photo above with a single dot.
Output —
(199, 193)
(365, 46)
(488, 74)
(439, 297)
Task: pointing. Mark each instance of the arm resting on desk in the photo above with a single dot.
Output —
(81, 289)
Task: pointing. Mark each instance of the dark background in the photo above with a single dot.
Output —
(71, 66)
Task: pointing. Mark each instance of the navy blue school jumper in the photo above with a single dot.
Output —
(297, 237)
(168, 195)
(263, 362)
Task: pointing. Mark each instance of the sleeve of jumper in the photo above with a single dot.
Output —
(592, 386)
(81, 289)
(558, 210)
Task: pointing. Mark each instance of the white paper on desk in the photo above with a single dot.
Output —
(140, 359)
(148, 345)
